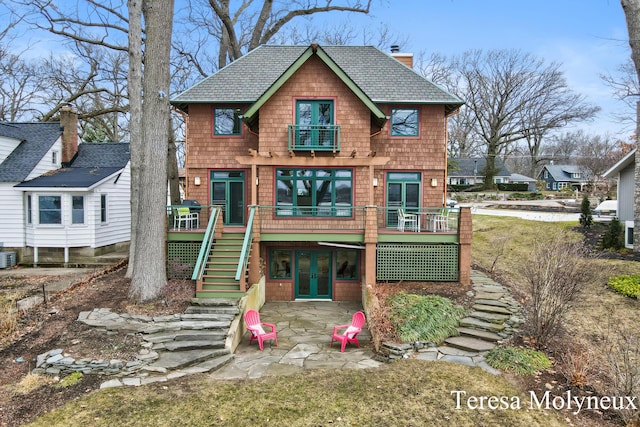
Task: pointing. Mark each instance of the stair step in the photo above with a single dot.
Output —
(220, 302)
(191, 345)
(211, 364)
(186, 325)
(480, 334)
(223, 280)
(496, 303)
(186, 335)
(216, 293)
(220, 269)
(469, 344)
(489, 317)
(209, 316)
(491, 309)
(213, 310)
(471, 322)
(180, 359)
(220, 285)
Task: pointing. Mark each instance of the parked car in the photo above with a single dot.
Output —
(452, 203)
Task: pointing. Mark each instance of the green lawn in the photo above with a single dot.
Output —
(404, 393)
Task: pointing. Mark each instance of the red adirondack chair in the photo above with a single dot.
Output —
(256, 327)
(351, 331)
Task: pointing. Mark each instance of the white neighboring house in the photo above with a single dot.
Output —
(59, 197)
(624, 172)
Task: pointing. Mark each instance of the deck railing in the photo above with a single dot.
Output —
(422, 220)
(311, 218)
(314, 137)
(246, 245)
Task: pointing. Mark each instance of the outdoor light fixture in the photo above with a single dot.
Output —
(434, 182)
(196, 180)
(375, 182)
(257, 181)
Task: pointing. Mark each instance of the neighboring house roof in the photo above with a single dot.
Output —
(381, 77)
(622, 164)
(37, 139)
(94, 163)
(516, 177)
(561, 173)
(466, 167)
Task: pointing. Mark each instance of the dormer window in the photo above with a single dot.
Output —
(226, 121)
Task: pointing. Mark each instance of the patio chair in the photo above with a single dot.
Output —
(256, 327)
(183, 218)
(350, 334)
(406, 220)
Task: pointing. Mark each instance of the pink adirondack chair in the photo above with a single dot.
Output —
(256, 327)
(350, 334)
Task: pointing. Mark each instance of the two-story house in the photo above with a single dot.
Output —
(557, 177)
(330, 162)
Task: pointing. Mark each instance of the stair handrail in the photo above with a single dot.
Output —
(207, 241)
(246, 245)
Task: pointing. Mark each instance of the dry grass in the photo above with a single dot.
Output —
(405, 393)
(31, 382)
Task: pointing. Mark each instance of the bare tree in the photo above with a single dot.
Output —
(514, 95)
(632, 14)
(149, 275)
(253, 23)
(626, 88)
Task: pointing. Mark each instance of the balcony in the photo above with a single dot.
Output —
(314, 137)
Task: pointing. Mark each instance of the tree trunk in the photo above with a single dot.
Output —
(632, 14)
(149, 270)
(134, 82)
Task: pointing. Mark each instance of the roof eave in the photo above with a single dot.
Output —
(621, 164)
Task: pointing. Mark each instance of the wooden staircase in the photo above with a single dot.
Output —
(218, 278)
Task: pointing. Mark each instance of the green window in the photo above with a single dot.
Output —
(314, 192)
(347, 264)
(226, 121)
(404, 122)
(314, 120)
(50, 209)
(77, 209)
(280, 262)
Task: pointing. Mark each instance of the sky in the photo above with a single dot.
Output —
(587, 37)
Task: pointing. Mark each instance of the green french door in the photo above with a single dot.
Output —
(227, 190)
(403, 191)
(313, 274)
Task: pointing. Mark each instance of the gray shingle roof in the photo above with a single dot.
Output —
(37, 139)
(381, 77)
(464, 167)
(94, 162)
(563, 173)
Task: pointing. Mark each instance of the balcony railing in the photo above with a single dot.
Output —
(314, 137)
(420, 220)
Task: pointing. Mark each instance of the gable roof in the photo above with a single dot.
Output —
(621, 164)
(36, 139)
(562, 173)
(94, 163)
(379, 76)
(466, 167)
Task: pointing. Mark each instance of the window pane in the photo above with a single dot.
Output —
(103, 208)
(404, 122)
(304, 113)
(29, 209)
(280, 264)
(226, 121)
(77, 210)
(347, 264)
(50, 210)
(322, 189)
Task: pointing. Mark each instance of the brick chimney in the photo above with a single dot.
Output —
(69, 125)
(405, 58)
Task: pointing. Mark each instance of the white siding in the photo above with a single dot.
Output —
(12, 224)
(626, 187)
(118, 226)
(93, 233)
(7, 145)
(45, 164)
